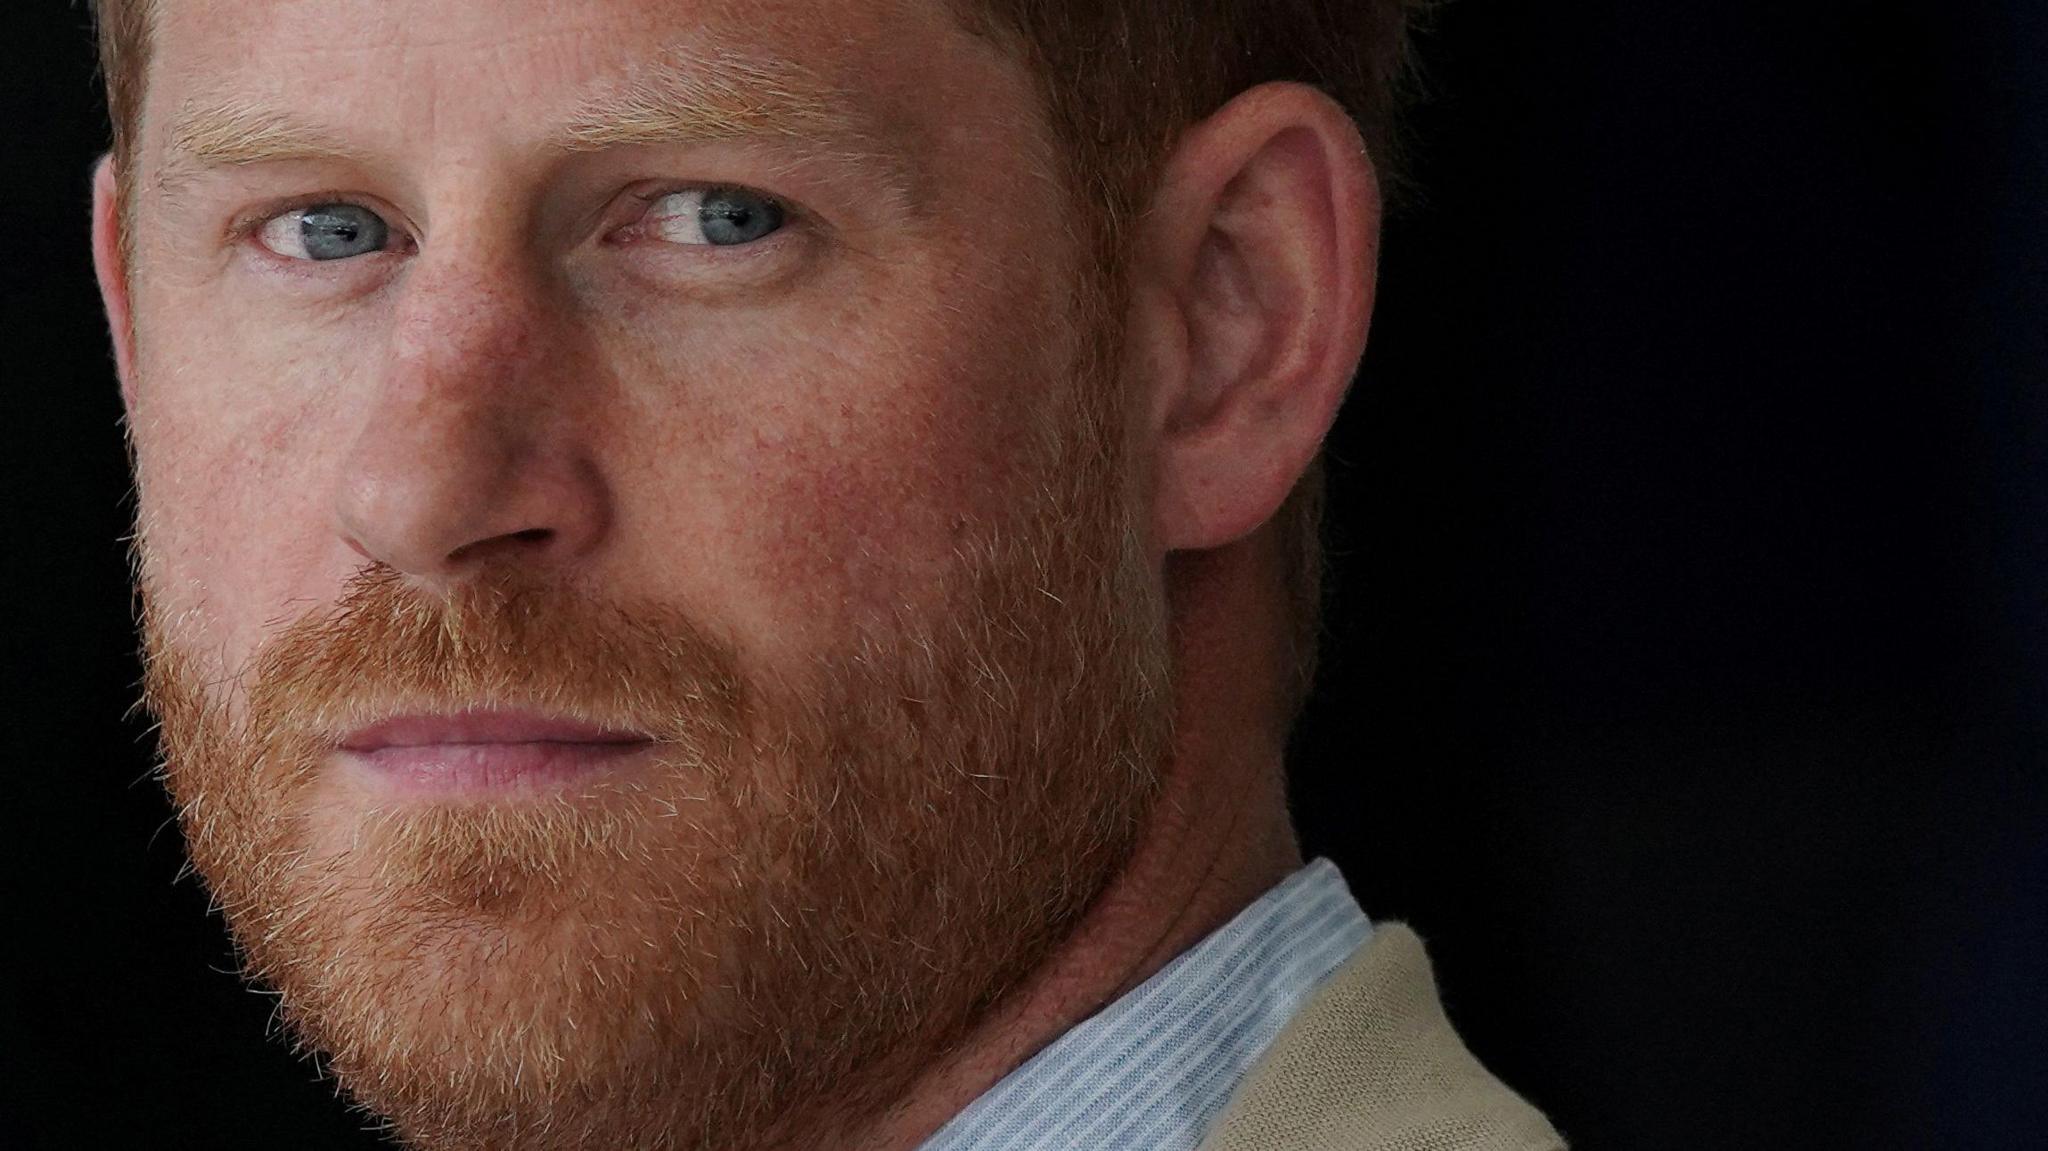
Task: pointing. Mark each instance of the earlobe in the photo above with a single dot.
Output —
(110, 265)
(1262, 245)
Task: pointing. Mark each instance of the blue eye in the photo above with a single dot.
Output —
(735, 217)
(327, 232)
(720, 217)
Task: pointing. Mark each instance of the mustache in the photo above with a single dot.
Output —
(387, 647)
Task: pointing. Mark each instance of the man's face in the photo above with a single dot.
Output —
(638, 567)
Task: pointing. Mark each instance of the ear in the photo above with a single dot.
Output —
(1252, 286)
(110, 263)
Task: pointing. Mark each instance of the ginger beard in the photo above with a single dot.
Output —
(817, 890)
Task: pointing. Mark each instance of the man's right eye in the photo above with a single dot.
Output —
(326, 232)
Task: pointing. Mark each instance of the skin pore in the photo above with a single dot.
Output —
(940, 589)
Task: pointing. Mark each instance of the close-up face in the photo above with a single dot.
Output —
(749, 306)
(637, 562)
(838, 575)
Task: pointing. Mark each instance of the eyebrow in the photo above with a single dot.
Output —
(727, 96)
(680, 99)
(235, 133)
(684, 98)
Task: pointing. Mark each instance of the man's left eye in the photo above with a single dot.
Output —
(326, 232)
(720, 217)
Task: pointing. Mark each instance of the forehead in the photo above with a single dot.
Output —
(481, 69)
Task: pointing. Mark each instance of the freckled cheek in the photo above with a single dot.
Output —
(234, 447)
(846, 528)
(827, 483)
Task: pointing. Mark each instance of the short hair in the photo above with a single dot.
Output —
(1120, 80)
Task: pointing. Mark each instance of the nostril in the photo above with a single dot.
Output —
(527, 538)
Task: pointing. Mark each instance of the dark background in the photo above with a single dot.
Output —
(1686, 671)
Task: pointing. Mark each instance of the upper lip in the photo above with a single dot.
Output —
(482, 726)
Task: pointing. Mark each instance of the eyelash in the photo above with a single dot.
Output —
(245, 229)
(793, 217)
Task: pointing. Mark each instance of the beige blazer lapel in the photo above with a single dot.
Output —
(1370, 1063)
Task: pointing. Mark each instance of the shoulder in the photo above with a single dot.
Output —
(1371, 1062)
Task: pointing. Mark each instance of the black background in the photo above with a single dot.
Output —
(1686, 672)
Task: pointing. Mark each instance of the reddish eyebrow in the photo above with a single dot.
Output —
(719, 97)
(685, 98)
(231, 133)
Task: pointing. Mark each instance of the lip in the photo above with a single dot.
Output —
(487, 750)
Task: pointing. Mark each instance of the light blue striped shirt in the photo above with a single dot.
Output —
(1152, 1070)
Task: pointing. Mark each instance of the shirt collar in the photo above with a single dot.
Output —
(1154, 1068)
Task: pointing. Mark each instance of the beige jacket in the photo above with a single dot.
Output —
(1371, 1064)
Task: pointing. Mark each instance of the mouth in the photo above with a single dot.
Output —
(486, 751)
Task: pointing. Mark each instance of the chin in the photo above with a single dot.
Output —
(506, 974)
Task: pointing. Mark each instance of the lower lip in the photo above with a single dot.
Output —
(494, 767)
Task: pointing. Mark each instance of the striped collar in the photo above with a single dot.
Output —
(1153, 1069)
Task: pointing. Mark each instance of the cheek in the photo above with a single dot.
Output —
(832, 473)
(233, 434)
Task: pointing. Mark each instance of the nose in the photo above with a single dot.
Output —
(475, 449)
